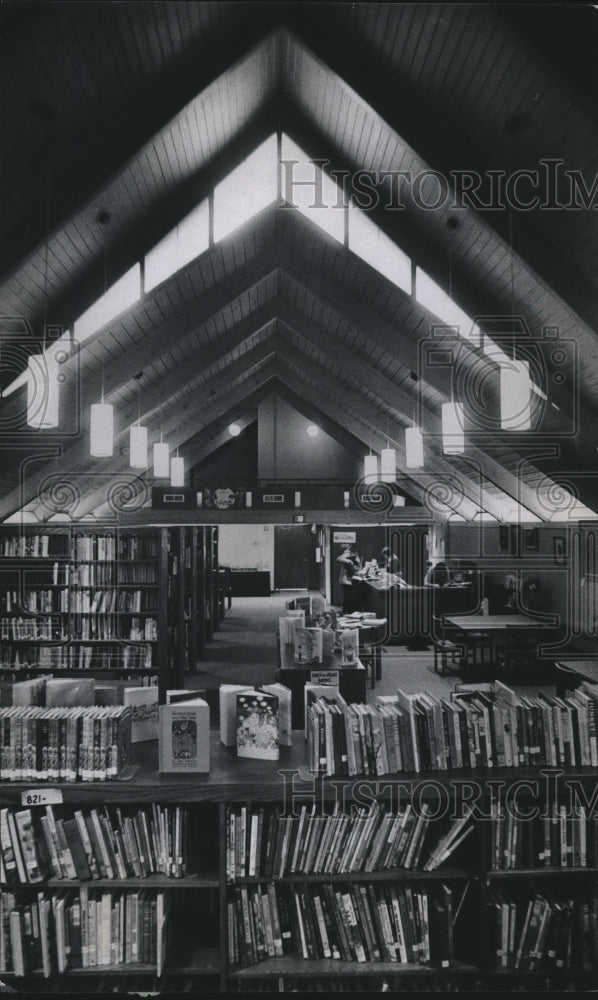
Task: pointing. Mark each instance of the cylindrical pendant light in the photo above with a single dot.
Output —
(414, 448)
(177, 471)
(161, 460)
(138, 447)
(42, 392)
(388, 465)
(515, 396)
(453, 437)
(101, 430)
(370, 468)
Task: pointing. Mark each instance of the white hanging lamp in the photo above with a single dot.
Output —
(161, 459)
(138, 447)
(177, 471)
(138, 439)
(453, 436)
(101, 427)
(388, 465)
(370, 468)
(414, 448)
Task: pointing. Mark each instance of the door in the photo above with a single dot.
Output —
(292, 546)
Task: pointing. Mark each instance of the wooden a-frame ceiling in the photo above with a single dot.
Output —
(177, 95)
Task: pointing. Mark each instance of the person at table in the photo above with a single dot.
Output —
(350, 564)
(437, 576)
(389, 561)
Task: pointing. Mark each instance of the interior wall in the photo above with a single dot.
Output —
(556, 579)
(286, 451)
(247, 546)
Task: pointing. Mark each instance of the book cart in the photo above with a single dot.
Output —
(252, 889)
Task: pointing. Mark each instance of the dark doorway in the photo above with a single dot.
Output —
(292, 553)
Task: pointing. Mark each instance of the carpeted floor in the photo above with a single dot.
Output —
(243, 651)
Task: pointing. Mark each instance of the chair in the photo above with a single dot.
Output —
(447, 653)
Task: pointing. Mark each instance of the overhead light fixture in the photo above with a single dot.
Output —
(249, 498)
(101, 430)
(297, 498)
(414, 448)
(453, 436)
(398, 500)
(313, 431)
(138, 447)
(161, 460)
(370, 468)
(42, 391)
(234, 430)
(177, 471)
(515, 396)
(388, 465)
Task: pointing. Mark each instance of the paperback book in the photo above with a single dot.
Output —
(144, 712)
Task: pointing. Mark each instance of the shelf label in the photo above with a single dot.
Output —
(41, 797)
(324, 677)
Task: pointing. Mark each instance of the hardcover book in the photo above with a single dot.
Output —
(143, 702)
(349, 647)
(228, 712)
(62, 692)
(284, 710)
(308, 645)
(257, 725)
(184, 737)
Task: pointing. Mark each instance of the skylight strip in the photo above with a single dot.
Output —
(120, 296)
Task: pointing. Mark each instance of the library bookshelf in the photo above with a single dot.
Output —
(483, 918)
(114, 600)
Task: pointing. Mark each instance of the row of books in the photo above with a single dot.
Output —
(137, 546)
(86, 599)
(420, 732)
(108, 626)
(58, 744)
(93, 548)
(36, 546)
(39, 600)
(32, 628)
(64, 657)
(379, 922)
(95, 843)
(543, 932)
(266, 842)
(560, 838)
(92, 575)
(81, 930)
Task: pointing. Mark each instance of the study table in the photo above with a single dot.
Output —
(510, 639)
(410, 610)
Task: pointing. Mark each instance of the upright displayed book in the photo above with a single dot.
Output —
(349, 647)
(308, 645)
(65, 691)
(143, 702)
(258, 725)
(284, 696)
(184, 737)
(227, 695)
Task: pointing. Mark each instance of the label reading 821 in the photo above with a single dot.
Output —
(41, 797)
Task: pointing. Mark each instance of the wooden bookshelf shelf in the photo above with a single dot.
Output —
(396, 875)
(202, 881)
(294, 965)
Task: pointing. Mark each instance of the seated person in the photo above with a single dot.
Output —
(389, 561)
(437, 576)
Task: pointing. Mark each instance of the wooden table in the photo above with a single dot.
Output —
(482, 623)
(570, 673)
